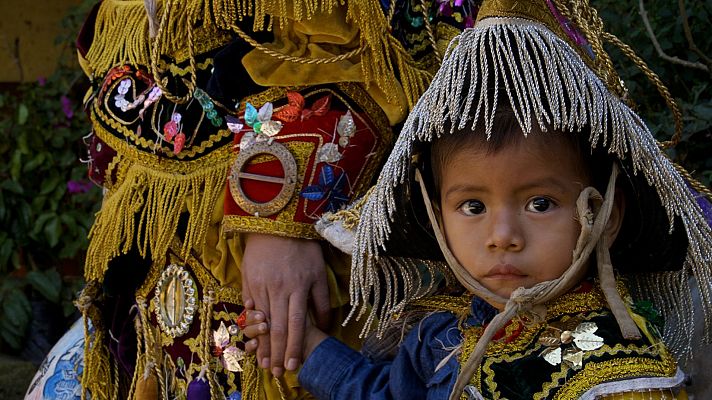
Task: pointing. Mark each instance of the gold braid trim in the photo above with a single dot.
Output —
(595, 373)
(250, 379)
(143, 208)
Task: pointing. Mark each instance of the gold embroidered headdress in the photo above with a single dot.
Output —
(545, 57)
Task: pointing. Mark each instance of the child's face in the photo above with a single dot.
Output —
(509, 216)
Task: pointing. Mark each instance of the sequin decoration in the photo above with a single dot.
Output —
(569, 346)
(208, 107)
(175, 300)
(229, 355)
(120, 99)
(329, 189)
(329, 152)
(346, 128)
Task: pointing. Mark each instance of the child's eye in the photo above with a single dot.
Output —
(539, 205)
(472, 207)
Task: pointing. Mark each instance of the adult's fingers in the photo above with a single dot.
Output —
(296, 325)
(279, 308)
(261, 302)
(321, 303)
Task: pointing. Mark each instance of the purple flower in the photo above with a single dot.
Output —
(67, 107)
(75, 187)
(41, 80)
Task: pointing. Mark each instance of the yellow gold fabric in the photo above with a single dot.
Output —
(324, 36)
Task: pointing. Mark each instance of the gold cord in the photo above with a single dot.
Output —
(429, 29)
(301, 60)
(163, 82)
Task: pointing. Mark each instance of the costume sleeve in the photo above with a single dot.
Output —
(334, 371)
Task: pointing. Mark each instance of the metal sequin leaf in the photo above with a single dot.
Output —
(231, 358)
(553, 356)
(233, 124)
(221, 337)
(585, 339)
(271, 128)
(250, 114)
(574, 358)
(265, 113)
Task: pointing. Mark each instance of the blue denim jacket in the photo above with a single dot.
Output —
(335, 371)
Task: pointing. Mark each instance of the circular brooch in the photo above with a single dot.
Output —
(288, 181)
(175, 300)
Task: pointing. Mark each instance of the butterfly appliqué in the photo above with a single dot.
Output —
(329, 188)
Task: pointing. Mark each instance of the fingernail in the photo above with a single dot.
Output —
(263, 327)
(292, 364)
(265, 363)
(277, 371)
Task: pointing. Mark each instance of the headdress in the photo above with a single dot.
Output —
(545, 58)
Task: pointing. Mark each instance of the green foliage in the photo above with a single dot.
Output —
(692, 88)
(43, 224)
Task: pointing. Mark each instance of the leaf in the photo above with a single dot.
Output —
(6, 248)
(49, 185)
(53, 231)
(265, 113)
(22, 114)
(34, 163)
(13, 186)
(250, 114)
(16, 308)
(232, 357)
(41, 221)
(47, 283)
(221, 337)
(16, 165)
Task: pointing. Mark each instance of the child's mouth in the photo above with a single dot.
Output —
(504, 272)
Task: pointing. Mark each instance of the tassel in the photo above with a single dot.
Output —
(199, 388)
(147, 385)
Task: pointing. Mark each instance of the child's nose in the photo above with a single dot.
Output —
(505, 232)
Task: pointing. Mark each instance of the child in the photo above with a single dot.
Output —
(527, 145)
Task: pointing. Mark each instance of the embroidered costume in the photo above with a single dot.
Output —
(524, 361)
(212, 119)
(545, 60)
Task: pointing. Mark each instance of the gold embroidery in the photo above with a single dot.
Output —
(617, 368)
(175, 70)
(167, 152)
(265, 225)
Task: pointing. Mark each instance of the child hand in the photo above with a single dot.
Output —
(255, 325)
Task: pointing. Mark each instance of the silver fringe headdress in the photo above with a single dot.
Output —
(521, 48)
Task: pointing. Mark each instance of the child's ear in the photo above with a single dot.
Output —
(615, 221)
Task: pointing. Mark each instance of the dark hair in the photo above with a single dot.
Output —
(507, 132)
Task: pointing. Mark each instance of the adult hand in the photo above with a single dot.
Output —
(279, 275)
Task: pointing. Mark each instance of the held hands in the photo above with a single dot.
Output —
(256, 326)
(278, 276)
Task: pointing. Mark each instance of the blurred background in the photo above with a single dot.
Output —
(47, 203)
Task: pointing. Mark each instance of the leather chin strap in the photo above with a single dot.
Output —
(593, 213)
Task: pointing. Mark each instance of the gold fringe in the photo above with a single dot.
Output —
(112, 43)
(381, 47)
(98, 368)
(144, 210)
